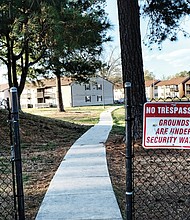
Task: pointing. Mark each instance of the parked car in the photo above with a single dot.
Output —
(119, 101)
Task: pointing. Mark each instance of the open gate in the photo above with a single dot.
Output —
(11, 185)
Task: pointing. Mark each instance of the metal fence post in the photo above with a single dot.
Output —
(17, 152)
(12, 158)
(128, 144)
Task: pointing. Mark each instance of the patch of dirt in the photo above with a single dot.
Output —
(115, 153)
(160, 180)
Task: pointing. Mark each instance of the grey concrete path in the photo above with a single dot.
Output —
(81, 188)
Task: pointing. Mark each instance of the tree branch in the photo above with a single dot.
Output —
(37, 60)
(4, 61)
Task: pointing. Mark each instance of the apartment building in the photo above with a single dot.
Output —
(151, 89)
(179, 87)
(44, 93)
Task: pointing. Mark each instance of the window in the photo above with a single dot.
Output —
(40, 90)
(87, 86)
(99, 98)
(40, 100)
(99, 86)
(87, 98)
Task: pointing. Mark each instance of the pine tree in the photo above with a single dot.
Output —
(165, 17)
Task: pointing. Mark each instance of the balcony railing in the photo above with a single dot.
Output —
(49, 94)
(26, 96)
(45, 95)
(174, 90)
(40, 95)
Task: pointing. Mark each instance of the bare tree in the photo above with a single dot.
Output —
(111, 67)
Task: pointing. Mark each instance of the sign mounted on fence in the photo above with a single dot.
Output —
(166, 125)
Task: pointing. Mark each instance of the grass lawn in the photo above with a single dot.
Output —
(80, 115)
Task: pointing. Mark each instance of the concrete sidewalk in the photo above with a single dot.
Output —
(81, 188)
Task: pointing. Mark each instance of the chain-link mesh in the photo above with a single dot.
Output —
(6, 179)
(161, 182)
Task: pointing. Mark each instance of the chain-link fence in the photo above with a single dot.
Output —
(11, 183)
(160, 181)
(7, 207)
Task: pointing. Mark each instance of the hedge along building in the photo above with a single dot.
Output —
(43, 93)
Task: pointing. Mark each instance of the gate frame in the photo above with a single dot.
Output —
(16, 154)
(129, 156)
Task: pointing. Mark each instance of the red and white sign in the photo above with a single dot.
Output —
(166, 125)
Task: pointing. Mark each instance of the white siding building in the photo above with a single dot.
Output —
(151, 89)
(118, 92)
(174, 87)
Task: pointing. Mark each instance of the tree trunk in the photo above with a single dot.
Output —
(14, 71)
(131, 56)
(9, 61)
(24, 66)
(60, 106)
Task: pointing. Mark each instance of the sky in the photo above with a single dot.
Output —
(173, 58)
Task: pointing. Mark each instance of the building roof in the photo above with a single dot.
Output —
(118, 86)
(4, 87)
(44, 83)
(65, 81)
(188, 81)
(41, 83)
(51, 82)
(151, 82)
(173, 81)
